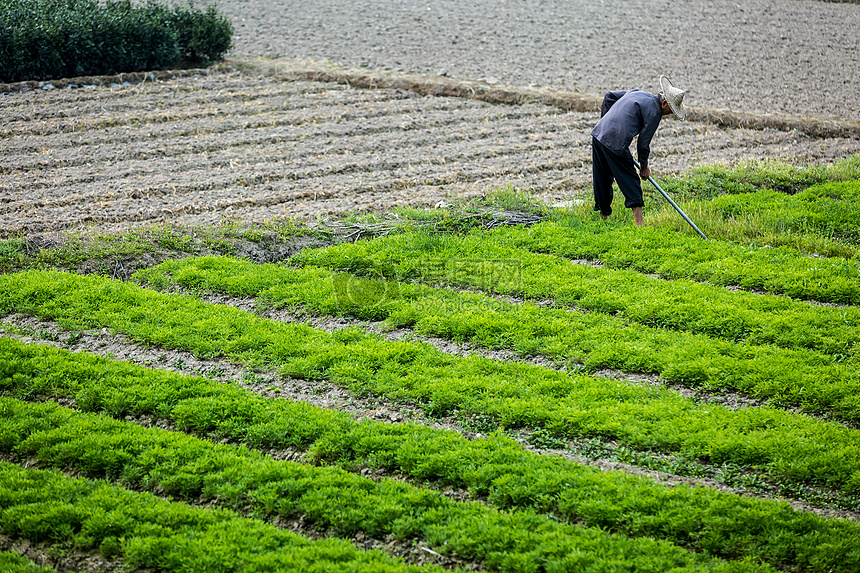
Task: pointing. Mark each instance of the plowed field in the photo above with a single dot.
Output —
(251, 147)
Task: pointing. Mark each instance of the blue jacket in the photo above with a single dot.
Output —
(623, 116)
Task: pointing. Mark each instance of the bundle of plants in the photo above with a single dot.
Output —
(49, 39)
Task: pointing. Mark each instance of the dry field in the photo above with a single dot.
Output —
(792, 57)
(257, 146)
(254, 145)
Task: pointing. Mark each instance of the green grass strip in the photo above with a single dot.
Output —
(784, 377)
(780, 270)
(828, 209)
(497, 468)
(709, 181)
(16, 563)
(195, 470)
(154, 534)
(811, 215)
(788, 445)
(497, 261)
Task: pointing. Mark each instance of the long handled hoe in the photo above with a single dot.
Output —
(675, 205)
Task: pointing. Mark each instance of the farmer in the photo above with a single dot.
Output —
(623, 116)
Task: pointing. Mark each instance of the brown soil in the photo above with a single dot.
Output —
(794, 57)
(243, 146)
(198, 149)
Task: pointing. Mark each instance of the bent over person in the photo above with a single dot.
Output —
(623, 116)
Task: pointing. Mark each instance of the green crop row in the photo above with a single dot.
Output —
(510, 478)
(491, 261)
(779, 270)
(799, 378)
(154, 534)
(16, 563)
(709, 181)
(510, 394)
(195, 470)
(814, 225)
(829, 209)
(48, 39)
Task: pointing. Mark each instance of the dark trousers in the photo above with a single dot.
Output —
(607, 167)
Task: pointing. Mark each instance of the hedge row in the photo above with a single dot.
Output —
(49, 39)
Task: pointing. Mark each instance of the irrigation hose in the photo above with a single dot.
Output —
(675, 205)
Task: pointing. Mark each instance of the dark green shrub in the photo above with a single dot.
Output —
(48, 39)
(201, 36)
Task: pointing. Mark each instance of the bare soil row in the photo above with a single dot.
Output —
(792, 57)
(246, 146)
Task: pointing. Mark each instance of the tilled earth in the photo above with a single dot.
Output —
(251, 147)
(197, 149)
(795, 57)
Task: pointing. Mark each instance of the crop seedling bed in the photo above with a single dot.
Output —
(506, 472)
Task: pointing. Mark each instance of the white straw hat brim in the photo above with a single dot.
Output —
(674, 97)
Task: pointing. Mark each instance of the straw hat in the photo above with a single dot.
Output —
(674, 96)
